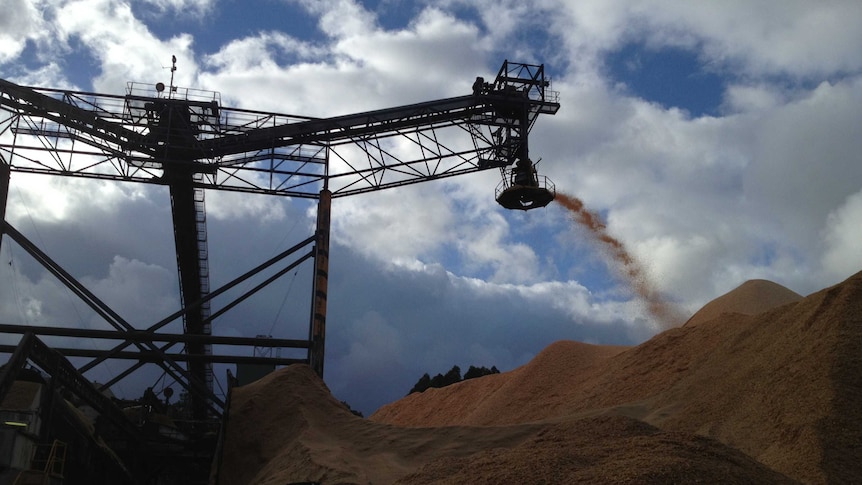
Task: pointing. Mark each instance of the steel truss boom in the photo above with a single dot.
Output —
(111, 137)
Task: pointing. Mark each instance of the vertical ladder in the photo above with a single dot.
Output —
(56, 463)
(204, 274)
(46, 466)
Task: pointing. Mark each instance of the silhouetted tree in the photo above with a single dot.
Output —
(437, 381)
(474, 372)
(355, 412)
(451, 377)
(423, 383)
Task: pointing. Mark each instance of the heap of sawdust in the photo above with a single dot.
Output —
(533, 392)
(287, 428)
(750, 298)
(734, 398)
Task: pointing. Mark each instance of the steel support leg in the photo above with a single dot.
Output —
(5, 173)
(187, 240)
(321, 277)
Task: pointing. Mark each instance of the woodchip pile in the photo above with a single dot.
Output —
(760, 386)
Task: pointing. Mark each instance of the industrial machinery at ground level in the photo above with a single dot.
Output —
(186, 140)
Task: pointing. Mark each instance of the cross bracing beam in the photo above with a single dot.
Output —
(146, 336)
(156, 357)
(170, 366)
(213, 294)
(143, 339)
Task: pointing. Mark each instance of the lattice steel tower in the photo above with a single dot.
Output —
(186, 140)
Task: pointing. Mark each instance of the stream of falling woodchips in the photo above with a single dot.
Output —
(665, 314)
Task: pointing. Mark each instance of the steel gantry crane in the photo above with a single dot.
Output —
(186, 140)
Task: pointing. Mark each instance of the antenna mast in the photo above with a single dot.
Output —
(173, 70)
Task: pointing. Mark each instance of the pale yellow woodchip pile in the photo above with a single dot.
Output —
(747, 395)
(750, 298)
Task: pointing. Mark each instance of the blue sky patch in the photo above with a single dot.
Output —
(670, 77)
(231, 20)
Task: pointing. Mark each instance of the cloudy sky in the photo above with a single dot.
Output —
(719, 140)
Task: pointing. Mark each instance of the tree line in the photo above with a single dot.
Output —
(451, 377)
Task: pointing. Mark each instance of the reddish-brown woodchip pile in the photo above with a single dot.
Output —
(760, 386)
